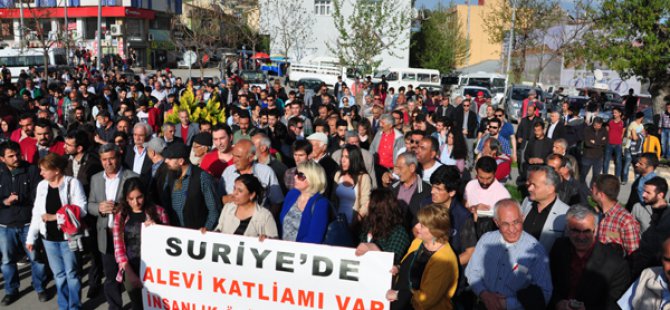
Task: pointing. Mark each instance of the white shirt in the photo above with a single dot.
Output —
(428, 172)
(111, 187)
(159, 94)
(550, 133)
(139, 160)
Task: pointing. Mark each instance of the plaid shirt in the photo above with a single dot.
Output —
(618, 226)
(120, 243)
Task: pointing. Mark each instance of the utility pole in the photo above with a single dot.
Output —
(99, 38)
(510, 45)
(67, 37)
(21, 27)
(467, 35)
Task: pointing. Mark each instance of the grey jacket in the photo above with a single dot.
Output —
(98, 195)
(642, 214)
(554, 227)
(398, 143)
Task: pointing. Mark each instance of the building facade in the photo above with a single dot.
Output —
(323, 32)
(481, 49)
(140, 28)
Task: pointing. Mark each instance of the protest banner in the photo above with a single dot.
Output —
(185, 269)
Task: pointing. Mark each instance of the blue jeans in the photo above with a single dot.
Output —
(628, 160)
(11, 241)
(590, 164)
(63, 263)
(665, 142)
(609, 149)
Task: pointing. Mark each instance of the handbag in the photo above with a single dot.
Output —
(337, 232)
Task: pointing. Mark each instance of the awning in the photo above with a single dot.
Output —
(73, 12)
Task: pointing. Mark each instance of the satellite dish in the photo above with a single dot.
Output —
(598, 74)
(190, 57)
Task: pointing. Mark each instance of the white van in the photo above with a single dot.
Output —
(495, 82)
(17, 60)
(403, 77)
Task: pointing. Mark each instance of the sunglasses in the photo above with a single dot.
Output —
(300, 176)
(499, 115)
(491, 127)
(466, 105)
(414, 141)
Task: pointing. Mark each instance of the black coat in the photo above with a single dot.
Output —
(560, 131)
(22, 181)
(457, 118)
(90, 165)
(604, 279)
(651, 245)
(331, 167)
(145, 172)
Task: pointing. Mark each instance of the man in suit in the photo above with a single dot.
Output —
(466, 120)
(319, 154)
(544, 213)
(103, 203)
(555, 129)
(82, 165)
(445, 109)
(136, 158)
(375, 118)
(584, 271)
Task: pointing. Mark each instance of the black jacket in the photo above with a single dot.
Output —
(145, 172)
(421, 194)
(649, 252)
(559, 131)
(90, 165)
(457, 118)
(604, 279)
(22, 181)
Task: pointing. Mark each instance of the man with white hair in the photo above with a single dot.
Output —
(509, 268)
(135, 158)
(319, 154)
(264, 156)
(386, 145)
(543, 211)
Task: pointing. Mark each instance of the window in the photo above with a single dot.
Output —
(322, 7)
(423, 77)
(7, 30)
(408, 77)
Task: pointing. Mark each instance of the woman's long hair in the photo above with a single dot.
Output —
(460, 148)
(356, 162)
(383, 214)
(149, 207)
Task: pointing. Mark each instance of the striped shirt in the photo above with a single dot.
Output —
(505, 268)
(179, 196)
(618, 226)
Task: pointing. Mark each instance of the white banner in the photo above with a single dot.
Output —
(185, 269)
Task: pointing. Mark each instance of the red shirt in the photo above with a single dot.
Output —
(615, 134)
(211, 163)
(577, 266)
(184, 134)
(30, 153)
(385, 150)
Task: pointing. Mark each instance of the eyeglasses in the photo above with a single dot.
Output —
(300, 176)
(491, 127)
(299, 127)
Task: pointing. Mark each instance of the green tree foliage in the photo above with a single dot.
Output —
(633, 38)
(373, 27)
(440, 44)
(533, 19)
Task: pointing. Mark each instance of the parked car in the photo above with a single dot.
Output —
(470, 90)
(513, 101)
(312, 84)
(255, 78)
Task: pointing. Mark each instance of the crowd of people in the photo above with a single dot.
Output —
(88, 158)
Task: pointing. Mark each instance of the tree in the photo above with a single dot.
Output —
(374, 26)
(288, 23)
(633, 38)
(440, 43)
(533, 19)
(43, 38)
(200, 32)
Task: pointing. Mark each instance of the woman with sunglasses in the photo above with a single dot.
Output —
(304, 215)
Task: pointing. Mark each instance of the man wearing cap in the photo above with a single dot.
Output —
(480, 101)
(319, 154)
(188, 194)
(244, 152)
(103, 203)
(106, 131)
(202, 143)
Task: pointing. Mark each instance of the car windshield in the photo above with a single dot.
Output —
(522, 93)
(253, 77)
(473, 92)
(481, 82)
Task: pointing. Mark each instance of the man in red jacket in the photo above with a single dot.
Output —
(46, 143)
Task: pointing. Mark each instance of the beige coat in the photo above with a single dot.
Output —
(262, 222)
(649, 291)
(362, 189)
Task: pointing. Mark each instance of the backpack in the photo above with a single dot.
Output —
(338, 232)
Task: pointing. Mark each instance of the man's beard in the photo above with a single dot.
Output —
(484, 186)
